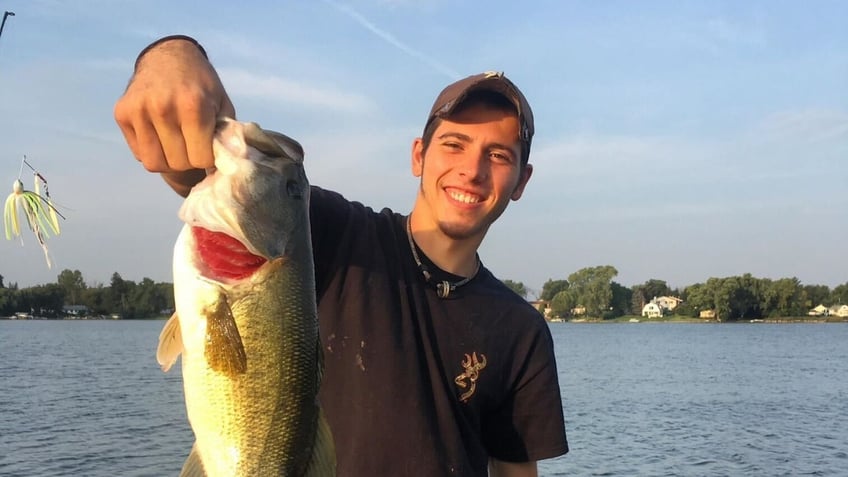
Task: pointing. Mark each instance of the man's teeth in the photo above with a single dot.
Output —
(465, 198)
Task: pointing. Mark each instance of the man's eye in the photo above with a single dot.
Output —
(500, 157)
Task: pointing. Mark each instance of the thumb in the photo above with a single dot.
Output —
(227, 109)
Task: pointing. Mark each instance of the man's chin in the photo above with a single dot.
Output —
(460, 231)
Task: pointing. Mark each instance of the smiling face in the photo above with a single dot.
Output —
(469, 171)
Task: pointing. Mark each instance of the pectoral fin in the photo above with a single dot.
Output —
(170, 343)
(193, 466)
(224, 348)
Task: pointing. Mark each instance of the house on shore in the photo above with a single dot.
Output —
(544, 307)
(652, 310)
(838, 310)
(75, 310)
(668, 303)
(707, 314)
(820, 310)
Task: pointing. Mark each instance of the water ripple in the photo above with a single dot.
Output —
(701, 400)
(87, 398)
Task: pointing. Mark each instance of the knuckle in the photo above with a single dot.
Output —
(160, 107)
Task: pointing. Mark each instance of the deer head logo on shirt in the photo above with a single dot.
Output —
(468, 379)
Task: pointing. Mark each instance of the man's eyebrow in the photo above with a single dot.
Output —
(498, 145)
(455, 135)
(467, 138)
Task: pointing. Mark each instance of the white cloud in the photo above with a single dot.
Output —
(804, 126)
(737, 33)
(390, 39)
(246, 84)
(780, 148)
(372, 169)
(111, 65)
(620, 158)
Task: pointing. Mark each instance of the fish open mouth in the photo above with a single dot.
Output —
(224, 256)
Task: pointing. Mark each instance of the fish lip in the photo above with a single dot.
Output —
(224, 257)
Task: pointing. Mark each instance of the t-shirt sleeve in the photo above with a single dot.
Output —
(329, 215)
(529, 425)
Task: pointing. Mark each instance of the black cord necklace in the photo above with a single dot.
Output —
(443, 288)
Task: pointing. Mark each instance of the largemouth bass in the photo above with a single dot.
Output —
(246, 320)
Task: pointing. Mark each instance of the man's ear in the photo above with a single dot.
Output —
(417, 157)
(526, 172)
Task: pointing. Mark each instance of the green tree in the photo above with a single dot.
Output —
(97, 300)
(591, 288)
(73, 285)
(43, 300)
(638, 299)
(517, 287)
(745, 298)
(166, 290)
(732, 298)
(839, 295)
(118, 297)
(782, 297)
(147, 299)
(7, 301)
(562, 303)
(552, 287)
(642, 294)
(621, 299)
(720, 292)
(816, 295)
(697, 298)
(654, 288)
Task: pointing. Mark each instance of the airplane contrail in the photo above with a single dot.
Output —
(388, 38)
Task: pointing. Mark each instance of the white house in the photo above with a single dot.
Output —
(652, 310)
(668, 302)
(838, 310)
(820, 310)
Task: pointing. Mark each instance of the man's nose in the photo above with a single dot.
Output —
(475, 166)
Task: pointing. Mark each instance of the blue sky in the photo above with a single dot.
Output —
(675, 140)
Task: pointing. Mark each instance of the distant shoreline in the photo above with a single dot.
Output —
(628, 320)
(634, 320)
(81, 318)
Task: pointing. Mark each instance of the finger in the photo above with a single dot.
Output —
(227, 109)
(173, 145)
(197, 134)
(137, 127)
(123, 119)
(147, 148)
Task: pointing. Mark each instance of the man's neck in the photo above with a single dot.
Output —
(457, 256)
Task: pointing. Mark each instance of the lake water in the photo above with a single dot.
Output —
(87, 399)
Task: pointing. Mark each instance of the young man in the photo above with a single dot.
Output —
(432, 366)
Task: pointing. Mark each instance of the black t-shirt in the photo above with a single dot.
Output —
(415, 384)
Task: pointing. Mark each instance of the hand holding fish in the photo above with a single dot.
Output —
(168, 112)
